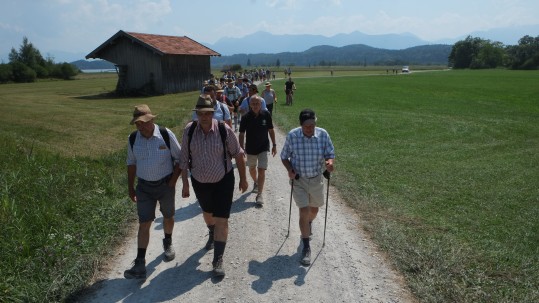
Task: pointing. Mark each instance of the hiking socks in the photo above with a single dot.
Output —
(168, 236)
(306, 243)
(141, 253)
(219, 250)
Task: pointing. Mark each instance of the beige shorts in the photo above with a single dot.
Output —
(309, 191)
(260, 160)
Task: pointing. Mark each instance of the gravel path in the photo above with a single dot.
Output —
(261, 264)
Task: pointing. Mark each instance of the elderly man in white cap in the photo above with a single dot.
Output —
(153, 156)
(209, 146)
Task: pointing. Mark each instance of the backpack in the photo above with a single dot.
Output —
(222, 131)
(162, 130)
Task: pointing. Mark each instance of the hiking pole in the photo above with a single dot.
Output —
(327, 175)
(290, 209)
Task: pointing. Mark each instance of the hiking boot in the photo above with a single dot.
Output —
(138, 271)
(255, 188)
(306, 256)
(259, 200)
(170, 254)
(209, 244)
(218, 269)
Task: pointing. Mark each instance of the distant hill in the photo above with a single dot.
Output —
(358, 54)
(94, 64)
(264, 42)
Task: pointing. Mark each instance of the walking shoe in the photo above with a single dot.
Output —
(209, 244)
(306, 256)
(218, 269)
(138, 271)
(259, 200)
(255, 188)
(170, 254)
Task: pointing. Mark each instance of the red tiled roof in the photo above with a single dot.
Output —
(164, 45)
(173, 45)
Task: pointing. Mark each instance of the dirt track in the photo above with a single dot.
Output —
(261, 264)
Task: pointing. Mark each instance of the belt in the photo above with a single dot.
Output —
(156, 183)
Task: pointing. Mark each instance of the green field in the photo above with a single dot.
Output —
(442, 166)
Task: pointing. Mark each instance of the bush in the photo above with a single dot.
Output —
(23, 73)
(6, 73)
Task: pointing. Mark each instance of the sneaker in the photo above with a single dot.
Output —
(138, 271)
(170, 254)
(306, 257)
(259, 200)
(255, 188)
(209, 244)
(218, 269)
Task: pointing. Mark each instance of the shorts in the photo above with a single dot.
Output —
(309, 191)
(215, 198)
(260, 159)
(147, 197)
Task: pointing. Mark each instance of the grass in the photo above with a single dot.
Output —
(442, 166)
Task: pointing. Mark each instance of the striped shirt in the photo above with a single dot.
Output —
(152, 156)
(207, 152)
(308, 155)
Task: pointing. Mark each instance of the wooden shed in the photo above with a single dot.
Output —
(156, 64)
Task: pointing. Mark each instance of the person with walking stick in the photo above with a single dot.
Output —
(307, 152)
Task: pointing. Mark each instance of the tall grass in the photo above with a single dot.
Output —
(443, 168)
(63, 193)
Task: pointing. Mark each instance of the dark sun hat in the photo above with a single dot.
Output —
(204, 104)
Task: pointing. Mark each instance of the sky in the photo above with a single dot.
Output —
(56, 27)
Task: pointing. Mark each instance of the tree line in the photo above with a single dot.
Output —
(476, 53)
(27, 65)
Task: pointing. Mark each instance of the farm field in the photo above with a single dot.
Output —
(442, 167)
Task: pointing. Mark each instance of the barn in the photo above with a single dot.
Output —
(155, 64)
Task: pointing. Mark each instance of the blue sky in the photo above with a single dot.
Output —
(79, 26)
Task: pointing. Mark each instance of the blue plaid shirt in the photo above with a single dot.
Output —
(308, 155)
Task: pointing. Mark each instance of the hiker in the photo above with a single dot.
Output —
(257, 124)
(233, 93)
(153, 157)
(222, 112)
(244, 106)
(207, 155)
(306, 153)
(289, 88)
(269, 96)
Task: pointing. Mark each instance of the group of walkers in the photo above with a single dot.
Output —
(156, 160)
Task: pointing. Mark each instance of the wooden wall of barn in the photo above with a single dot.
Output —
(184, 73)
(142, 64)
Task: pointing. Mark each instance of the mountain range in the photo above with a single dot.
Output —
(261, 43)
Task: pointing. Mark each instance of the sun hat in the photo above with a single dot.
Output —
(307, 116)
(142, 113)
(204, 104)
(268, 84)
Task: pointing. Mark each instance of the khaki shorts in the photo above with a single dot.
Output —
(309, 191)
(260, 159)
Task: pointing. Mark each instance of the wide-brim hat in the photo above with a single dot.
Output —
(204, 104)
(268, 84)
(142, 113)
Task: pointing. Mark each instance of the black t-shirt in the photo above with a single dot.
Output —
(289, 84)
(256, 131)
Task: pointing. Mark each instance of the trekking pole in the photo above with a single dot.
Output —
(290, 209)
(327, 175)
